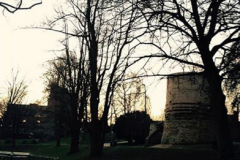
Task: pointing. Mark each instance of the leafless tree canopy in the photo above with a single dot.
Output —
(182, 30)
(130, 96)
(14, 6)
(231, 82)
(16, 89)
(2, 106)
(105, 31)
(200, 34)
(70, 73)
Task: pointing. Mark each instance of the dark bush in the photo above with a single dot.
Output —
(133, 127)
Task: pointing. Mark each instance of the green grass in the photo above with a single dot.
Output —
(120, 152)
(61, 152)
(48, 149)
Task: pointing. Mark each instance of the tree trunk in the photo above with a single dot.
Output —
(75, 125)
(58, 141)
(74, 148)
(97, 135)
(223, 135)
(97, 142)
(221, 124)
(225, 147)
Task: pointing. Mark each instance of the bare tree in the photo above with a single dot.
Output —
(69, 72)
(129, 96)
(107, 30)
(16, 92)
(197, 34)
(16, 89)
(2, 106)
(231, 82)
(14, 6)
(108, 43)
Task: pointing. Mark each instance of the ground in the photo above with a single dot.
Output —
(121, 151)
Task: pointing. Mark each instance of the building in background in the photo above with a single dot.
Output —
(27, 121)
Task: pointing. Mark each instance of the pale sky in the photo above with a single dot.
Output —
(28, 49)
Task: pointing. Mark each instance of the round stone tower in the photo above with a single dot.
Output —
(188, 117)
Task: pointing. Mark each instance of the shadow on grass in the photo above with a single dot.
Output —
(142, 153)
(121, 152)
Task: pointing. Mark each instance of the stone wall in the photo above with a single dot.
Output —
(187, 113)
(155, 134)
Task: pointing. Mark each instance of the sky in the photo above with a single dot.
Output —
(27, 50)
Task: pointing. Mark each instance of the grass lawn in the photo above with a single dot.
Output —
(120, 152)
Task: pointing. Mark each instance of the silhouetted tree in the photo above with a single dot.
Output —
(16, 92)
(232, 80)
(16, 89)
(69, 73)
(109, 36)
(2, 106)
(130, 95)
(199, 34)
(105, 28)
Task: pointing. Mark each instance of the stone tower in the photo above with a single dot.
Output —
(187, 113)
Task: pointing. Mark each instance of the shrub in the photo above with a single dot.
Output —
(133, 127)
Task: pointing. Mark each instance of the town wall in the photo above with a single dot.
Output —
(188, 118)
